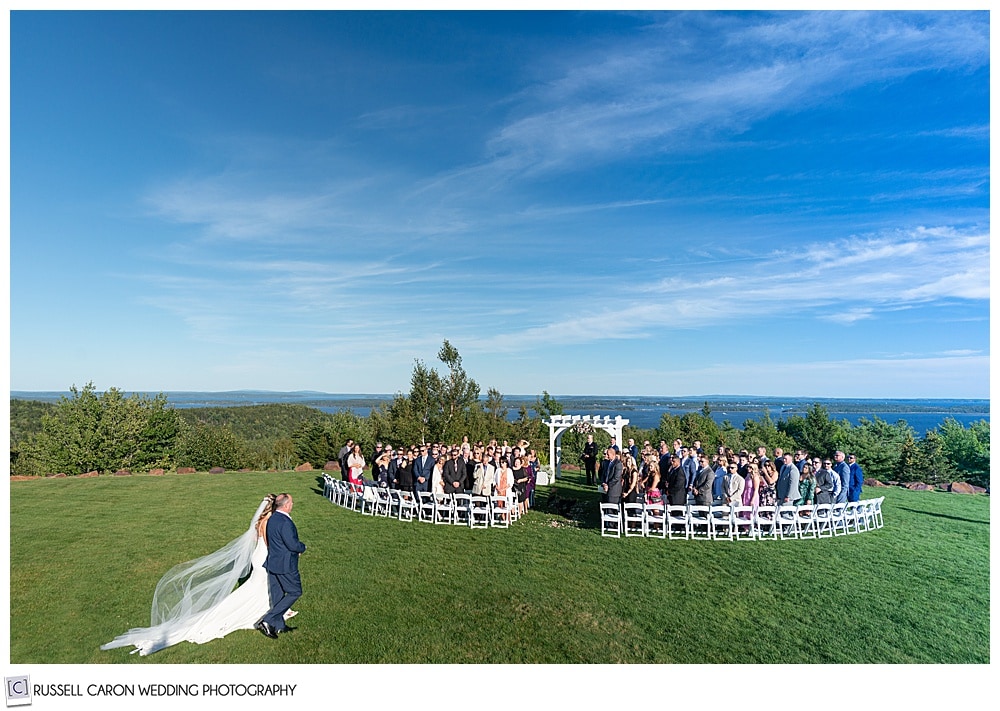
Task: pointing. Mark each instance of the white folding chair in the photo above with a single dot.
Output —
(764, 521)
(479, 512)
(462, 515)
(352, 495)
(852, 513)
(611, 520)
(787, 525)
(513, 502)
(806, 521)
(876, 505)
(838, 519)
(338, 494)
(633, 520)
(425, 506)
(866, 511)
(677, 522)
(654, 521)
(362, 494)
(444, 509)
(368, 500)
(699, 522)
(383, 503)
(866, 515)
(407, 509)
(394, 503)
(743, 525)
(721, 522)
(823, 516)
(499, 512)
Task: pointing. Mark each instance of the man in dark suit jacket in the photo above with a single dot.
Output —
(613, 477)
(676, 482)
(282, 565)
(589, 458)
(453, 474)
(423, 467)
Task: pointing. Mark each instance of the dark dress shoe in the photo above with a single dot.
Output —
(266, 629)
(287, 628)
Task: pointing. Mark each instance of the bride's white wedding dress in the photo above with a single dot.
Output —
(195, 601)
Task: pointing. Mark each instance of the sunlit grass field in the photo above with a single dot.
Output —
(86, 555)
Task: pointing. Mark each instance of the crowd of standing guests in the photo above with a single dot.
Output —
(480, 469)
(666, 475)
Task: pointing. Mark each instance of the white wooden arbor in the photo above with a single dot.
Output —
(559, 424)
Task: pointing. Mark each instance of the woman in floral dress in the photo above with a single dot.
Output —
(768, 495)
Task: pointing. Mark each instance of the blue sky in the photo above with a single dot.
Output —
(585, 203)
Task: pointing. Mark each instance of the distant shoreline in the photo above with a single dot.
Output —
(642, 412)
(734, 403)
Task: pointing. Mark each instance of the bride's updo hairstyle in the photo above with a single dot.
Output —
(269, 508)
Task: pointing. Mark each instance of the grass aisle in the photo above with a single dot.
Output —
(86, 555)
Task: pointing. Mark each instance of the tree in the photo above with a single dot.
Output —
(107, 432)
(313, 444)
(700, 427)
(205, 446)
(457, 393)
(968, 449)
(932, 465)
(878, 445)
(816, 433)
(546, 406)
(763, 432)
(438, 407)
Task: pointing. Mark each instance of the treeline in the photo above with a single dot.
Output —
(106, 432)
(886, 451)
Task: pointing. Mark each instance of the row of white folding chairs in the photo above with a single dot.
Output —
(741, 522)
(453, 509)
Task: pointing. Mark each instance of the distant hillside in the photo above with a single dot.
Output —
(254, 422)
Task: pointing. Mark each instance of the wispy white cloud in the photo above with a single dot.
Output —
(756, 69)
(844, 282)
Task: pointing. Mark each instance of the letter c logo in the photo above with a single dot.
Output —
(17, 687)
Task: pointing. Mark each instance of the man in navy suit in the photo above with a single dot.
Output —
(282, 565)
(423, 467)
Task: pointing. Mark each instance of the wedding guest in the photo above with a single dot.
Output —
(787, 489)
(824, 482)
(342, 456)
(404, 473)
(843, 470)
(630, 479)
(701, 487)
(721, 472)
(531, 464)
(520, 477)
(380, 470)
(733, 486)
(767, 494)
(356, 462)
(651, 483)
(422, 468)
(676, 482)
(857, 479)
(807, 485)
(503, 478)
(437, 477)
(751, 488)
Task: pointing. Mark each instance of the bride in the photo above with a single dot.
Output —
(196, 602)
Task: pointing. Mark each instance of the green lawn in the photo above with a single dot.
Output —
(86, 555)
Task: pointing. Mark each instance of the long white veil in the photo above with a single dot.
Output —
(190, 589)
